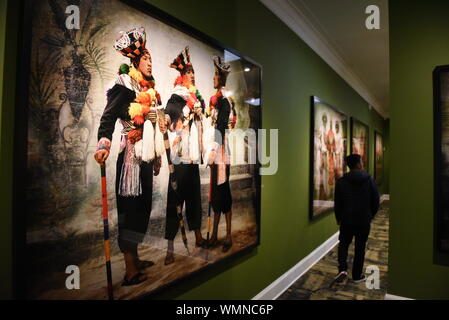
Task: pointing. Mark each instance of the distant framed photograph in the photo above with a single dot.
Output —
(378, 158)
(328, 151)
(360, 141)
(441, 164)
(133, 144)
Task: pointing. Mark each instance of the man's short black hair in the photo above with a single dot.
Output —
(353, 160)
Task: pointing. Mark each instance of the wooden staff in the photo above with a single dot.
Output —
(208, 215)
(107, 250)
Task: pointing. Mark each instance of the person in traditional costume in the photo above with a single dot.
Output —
(223, 115)
(324, 186)
(330, 146)
(134, 101)
(339, 151)
(184, 112)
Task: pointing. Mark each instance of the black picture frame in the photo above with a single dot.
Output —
(315, 100)
(441, 179)
(20, 206)
(355, 121)
(378, 180)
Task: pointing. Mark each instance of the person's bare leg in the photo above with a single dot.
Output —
(131, 267)
(199, 241)
(170, 257)
(214, 237)
(141, 264)
(228, 242)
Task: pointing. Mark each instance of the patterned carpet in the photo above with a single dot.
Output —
(317, 282)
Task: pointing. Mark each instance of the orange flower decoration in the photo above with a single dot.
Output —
(139, 120)
(143, 98)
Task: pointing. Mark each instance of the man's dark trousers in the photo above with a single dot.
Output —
(347, 232)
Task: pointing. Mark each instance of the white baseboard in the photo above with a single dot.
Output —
(275, 289)
(393, 297)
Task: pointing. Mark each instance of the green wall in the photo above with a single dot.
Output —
(292, 73)
(419, 41)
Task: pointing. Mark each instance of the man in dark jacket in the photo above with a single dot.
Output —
(356, 203)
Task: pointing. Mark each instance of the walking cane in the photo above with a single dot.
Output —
(107, 250)
(208, 215)
(174, 184)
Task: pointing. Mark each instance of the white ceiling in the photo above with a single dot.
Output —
(336, 30)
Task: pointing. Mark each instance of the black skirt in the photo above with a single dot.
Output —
(188, 192)
(133, 212)
(221, 194)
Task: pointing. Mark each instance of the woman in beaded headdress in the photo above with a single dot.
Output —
(134, 101)
(221, 109)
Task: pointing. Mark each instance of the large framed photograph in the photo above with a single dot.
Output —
(378, 158)
(328, 151)
(441, 165)
(137, 151)
(360, 141)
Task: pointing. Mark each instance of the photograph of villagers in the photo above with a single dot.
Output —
(167, 117)
(360, 141)
(329, 149)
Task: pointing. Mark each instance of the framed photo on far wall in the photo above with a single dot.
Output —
(441, 164)
(378, 158)
(360, 141)
(147, 90)
(328, 151)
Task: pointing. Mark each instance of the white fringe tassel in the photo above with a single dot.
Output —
(194, 147)
(159, 142)
(148, 141)
(130, 176)
(138, 146)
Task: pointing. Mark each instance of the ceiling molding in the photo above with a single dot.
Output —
(296, 19)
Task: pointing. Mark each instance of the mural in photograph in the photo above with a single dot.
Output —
(360, 141)
(165, 118)
(378, 158)
(329, 132)
(441, 125)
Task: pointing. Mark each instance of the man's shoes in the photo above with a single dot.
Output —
(169, 258)
(212, 243)
(134, 280)
(202, 244)
(143, 264)
(226, 246)
(341, 277)
(358, 280)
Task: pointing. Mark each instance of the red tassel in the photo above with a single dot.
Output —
(213, 101)
(190, 102)
(139, 120)
(178, 81)
(145, 83)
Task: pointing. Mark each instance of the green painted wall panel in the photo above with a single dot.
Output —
(292, 73)
(418, 42)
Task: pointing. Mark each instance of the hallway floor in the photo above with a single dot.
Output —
(317, 282)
